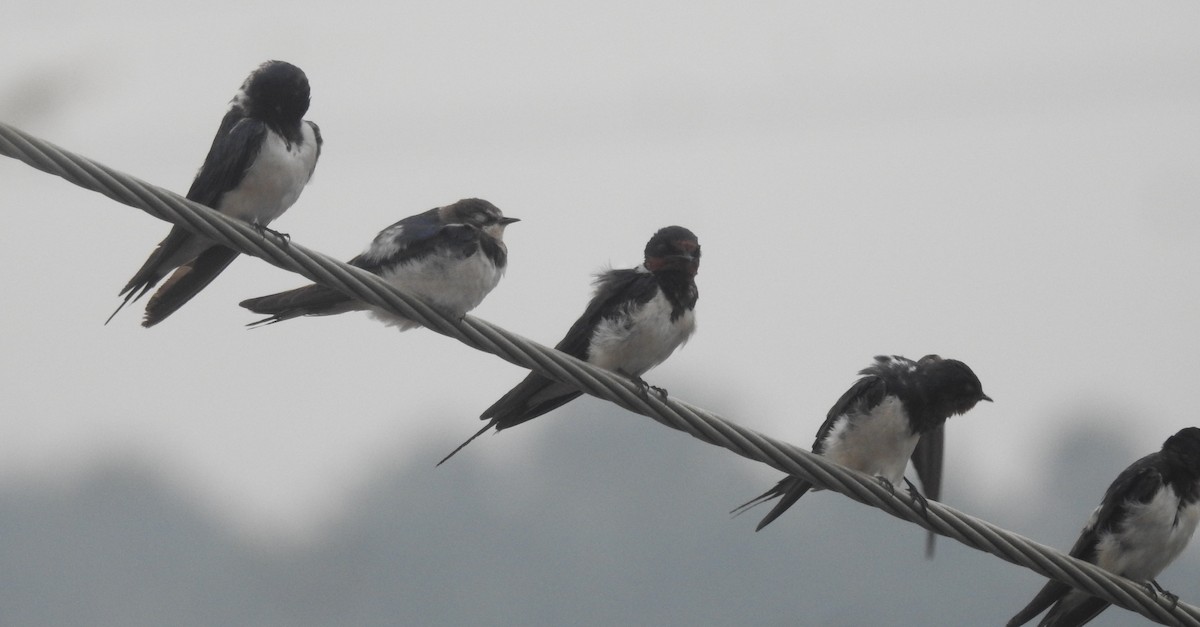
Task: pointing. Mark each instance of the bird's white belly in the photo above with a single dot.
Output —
(274, 180)
(648, 336)
(1149, 539)
(454, 286)
(878, 444)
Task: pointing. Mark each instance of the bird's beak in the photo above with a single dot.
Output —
(987, 398)
(508, 221)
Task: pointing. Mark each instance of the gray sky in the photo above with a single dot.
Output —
(1010, 185)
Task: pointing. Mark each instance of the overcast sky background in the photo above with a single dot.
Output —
(1010, 185)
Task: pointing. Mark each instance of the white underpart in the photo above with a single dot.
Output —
(274, 180)
(452, 285)
(1151, 537)
(878, 443)
(271, 185)
(641, 341)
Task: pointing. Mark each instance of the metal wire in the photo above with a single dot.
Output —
(671, 412)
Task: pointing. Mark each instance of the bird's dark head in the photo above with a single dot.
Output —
(1182, 450)
(478, 213)
(277, 93)
(952, 385)
(673, 249)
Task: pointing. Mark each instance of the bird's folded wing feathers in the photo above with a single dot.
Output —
(866, 394)
(234, 148)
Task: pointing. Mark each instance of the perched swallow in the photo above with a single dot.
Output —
(635, 320)
(262, 157)
(1143, 523)
(875, 426)
(451, 257)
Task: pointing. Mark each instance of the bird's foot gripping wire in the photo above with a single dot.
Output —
(283, 238)
(644, 388)
(918, 498)
(1154, 589)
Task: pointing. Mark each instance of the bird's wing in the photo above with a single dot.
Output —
(1074, 610)
(927, 460)
(866, 394)
(533, 396)
(411, 237)
(1136, 484)
(234, 149)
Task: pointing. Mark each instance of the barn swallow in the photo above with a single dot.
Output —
(451, 257)
(1143, 523)
(635, 320)
(875, 426)
(260, 160)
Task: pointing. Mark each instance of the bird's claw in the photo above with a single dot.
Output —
(1154, 589)
(283, 238)
(644, 388)
(918, 498)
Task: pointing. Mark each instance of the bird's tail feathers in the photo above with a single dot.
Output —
(469, 440)
(790, 489)
(131, 293)
(142, 282)
(311, 300)
(1075, 613)
(175, 249)
(789, 498)
(762, 498)
(258, 324)
(1050, 594)
(187, 281)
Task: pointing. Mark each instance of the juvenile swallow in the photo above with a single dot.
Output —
(451, 257)
(1143, 523)
(259, 162)
(635, 320)
(875, 426)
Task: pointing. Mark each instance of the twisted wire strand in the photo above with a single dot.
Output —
(671, 412)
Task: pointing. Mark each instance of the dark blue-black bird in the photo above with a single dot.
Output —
(635, 320)
(1143, 523)
(451, 257)
(876, 425)
(260, 160)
